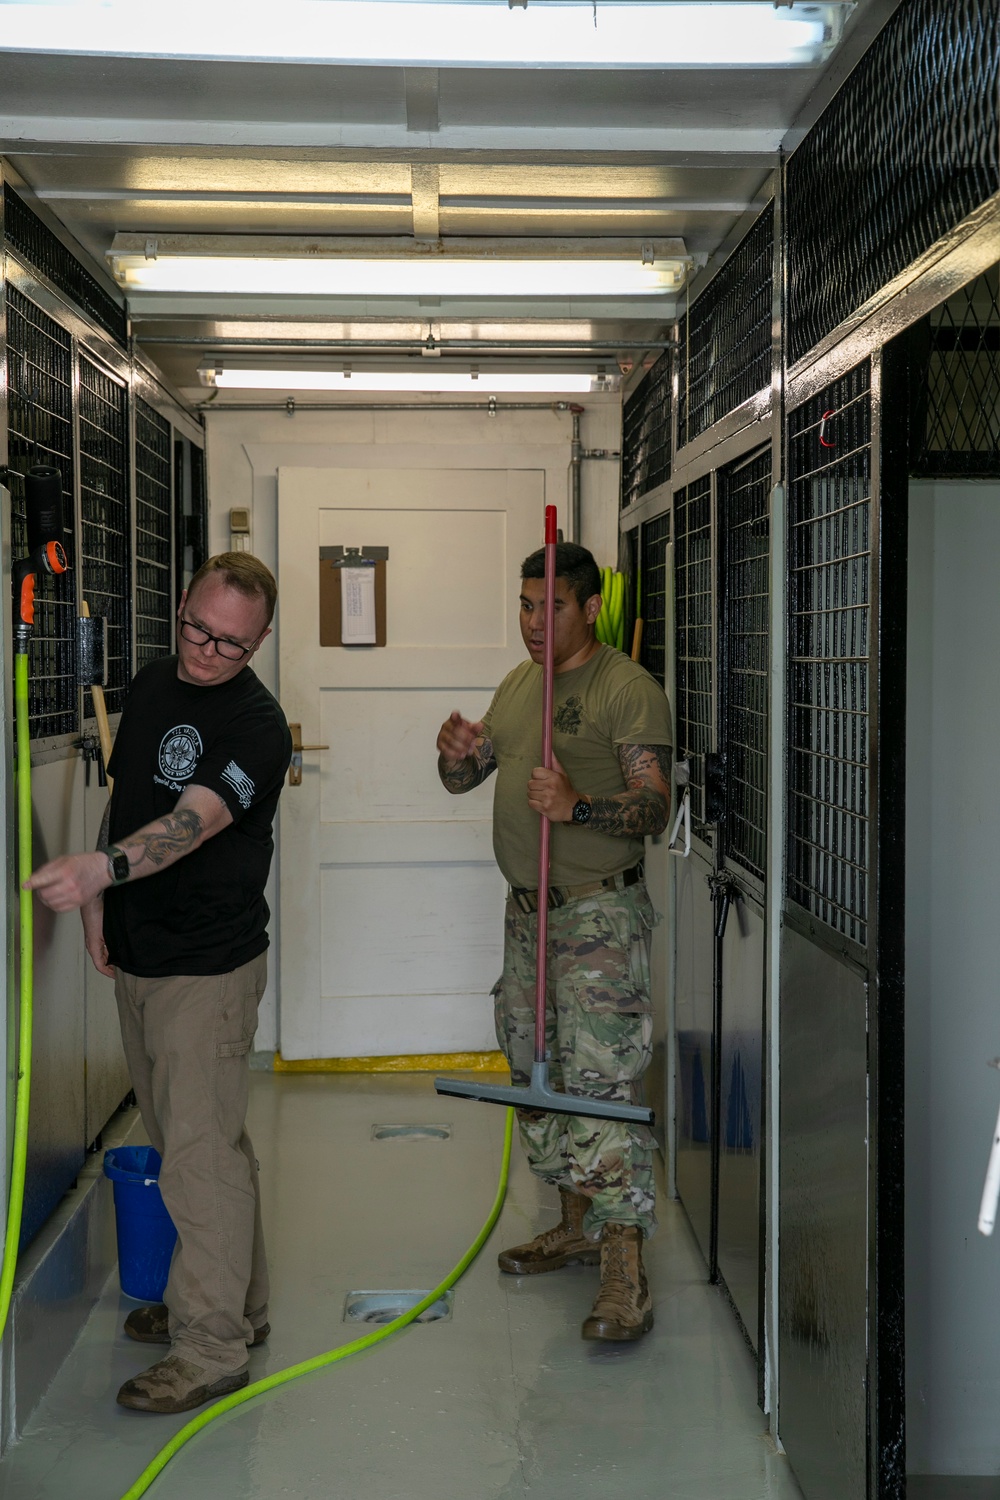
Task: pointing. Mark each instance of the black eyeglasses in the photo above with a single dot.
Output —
(230, 650)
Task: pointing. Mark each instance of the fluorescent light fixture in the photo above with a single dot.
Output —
(438, 33)
(443, 276)
(452, 382)
(394, 278)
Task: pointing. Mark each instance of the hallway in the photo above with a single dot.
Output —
(502, 1402)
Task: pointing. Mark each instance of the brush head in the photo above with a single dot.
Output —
(538, 1095)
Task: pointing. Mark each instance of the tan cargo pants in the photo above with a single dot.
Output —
(187, 1040)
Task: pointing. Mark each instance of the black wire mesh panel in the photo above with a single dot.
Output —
(744, 520)
(646, 433)
(725, 354)
(104, 519)
(653, 598)
(829, 488)
(35, 244)
(40, 416)
(959, 408)
(153, 525)
(693, 605)
(198, 531)
(906, 150)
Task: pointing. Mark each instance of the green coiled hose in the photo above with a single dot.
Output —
(307, 1366)
(15, 1200)
(15, 1196)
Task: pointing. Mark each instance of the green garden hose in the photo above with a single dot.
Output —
(44, 530)
(281, 1377)
(15, 1196)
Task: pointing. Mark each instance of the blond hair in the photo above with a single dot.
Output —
(244, 573)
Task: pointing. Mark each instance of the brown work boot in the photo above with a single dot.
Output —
(175, 1384)
(151, 1325)
(624, 1308)
(562, 1245)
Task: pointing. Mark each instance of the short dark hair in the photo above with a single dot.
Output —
(573, 563)
(244, 573)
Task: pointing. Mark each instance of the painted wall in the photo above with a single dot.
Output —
(244, 452)
(952, 985)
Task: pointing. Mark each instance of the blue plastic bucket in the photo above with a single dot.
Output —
(146, 1233)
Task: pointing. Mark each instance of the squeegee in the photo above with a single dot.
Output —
(540, 1094)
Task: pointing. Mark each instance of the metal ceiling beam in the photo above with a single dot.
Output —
(166, 307)
(428, 178)
(333, 154)
(422, 345)
(730, 144)
(399, 247)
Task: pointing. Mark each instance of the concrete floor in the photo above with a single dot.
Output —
(502, 1402)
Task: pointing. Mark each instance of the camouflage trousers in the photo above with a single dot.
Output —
(599, 1042)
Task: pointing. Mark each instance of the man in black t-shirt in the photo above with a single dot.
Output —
(173, 909)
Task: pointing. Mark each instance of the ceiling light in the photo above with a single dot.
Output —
(454, 382)
(221, 265)
(439, 33)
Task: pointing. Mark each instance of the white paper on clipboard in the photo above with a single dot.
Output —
(357, 606)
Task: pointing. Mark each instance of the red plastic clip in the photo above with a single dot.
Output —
(824, 442)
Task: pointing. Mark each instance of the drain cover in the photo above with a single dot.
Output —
(411, 1132)
(383, 1307)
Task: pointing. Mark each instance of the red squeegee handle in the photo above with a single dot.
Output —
(545, 832)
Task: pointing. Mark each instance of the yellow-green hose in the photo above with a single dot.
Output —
(281, 1377)
(15, 1195)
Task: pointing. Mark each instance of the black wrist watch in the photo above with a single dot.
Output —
(118, 865)
(581, 811)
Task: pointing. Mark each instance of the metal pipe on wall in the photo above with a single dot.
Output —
(293, 408)
(574, 475)
(577, 451)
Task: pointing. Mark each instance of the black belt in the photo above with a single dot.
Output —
(559, 895)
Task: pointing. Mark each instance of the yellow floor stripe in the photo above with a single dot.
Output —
(423, 1062)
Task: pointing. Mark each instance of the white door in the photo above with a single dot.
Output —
(391, 903)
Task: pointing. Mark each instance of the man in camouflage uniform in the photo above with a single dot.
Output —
(607, 789)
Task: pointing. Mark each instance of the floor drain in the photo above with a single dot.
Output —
(383, 1307)
(411, 1132)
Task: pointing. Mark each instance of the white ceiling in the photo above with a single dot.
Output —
(158, 146)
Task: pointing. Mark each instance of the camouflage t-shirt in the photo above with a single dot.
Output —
(607, 702)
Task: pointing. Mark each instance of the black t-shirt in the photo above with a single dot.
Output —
(206, 914)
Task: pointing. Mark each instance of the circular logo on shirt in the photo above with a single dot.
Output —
(180, 748)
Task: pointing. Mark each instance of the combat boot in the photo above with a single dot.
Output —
(624, 1308)
(562, 1245)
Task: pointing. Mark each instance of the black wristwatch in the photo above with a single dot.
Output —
(581, 811)
(118, 865)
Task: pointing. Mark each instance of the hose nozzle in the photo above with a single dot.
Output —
(43, 511)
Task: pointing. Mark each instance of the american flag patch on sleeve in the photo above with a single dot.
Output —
(240, 783)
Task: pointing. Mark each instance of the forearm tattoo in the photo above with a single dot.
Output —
(470, 772)
(642, 808)
(177, 835)
(105, 833)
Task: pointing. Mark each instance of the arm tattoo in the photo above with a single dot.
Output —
(105, 833)
(470, 772)
(181, 831)
(641, 809)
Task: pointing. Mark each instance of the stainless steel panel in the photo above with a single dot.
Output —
(695, 1045)
(657, 1093)
(741, 1111)
(823, 1209)
(56, 1143)
(107, 1080)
